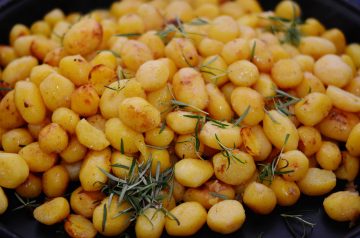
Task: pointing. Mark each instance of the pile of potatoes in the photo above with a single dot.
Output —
(90, 91)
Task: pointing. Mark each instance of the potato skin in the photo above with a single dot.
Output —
(13, 170)
(53, 211)
(317, 182)
(3, 201)
(342, 206)
(259, 198)
(84, 202)
(145, 229)
(10, 118)
(90, 136)
(77, 226)
(193, 172)
(83, 37)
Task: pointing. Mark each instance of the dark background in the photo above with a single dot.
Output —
(333, 13)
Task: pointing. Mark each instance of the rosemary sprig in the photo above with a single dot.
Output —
(218, 195)
(300, 220)
(158, 147)
(122, 149)
(163, 126)
(253, 50)
(134, 34)
(282, 101)
(121, 76)
(25, 203)
(141, 189)
(198, 22)
(227, 152)
(178, 104)
(269, 170)
(238, 121)
(104, 218)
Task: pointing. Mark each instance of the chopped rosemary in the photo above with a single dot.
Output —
(178, 104)
(141, 189)
(253, 50)
(25, 204)
(227, 152)
(298, 219)
(163, 126)
(157, 147)
(282, 101)
(238, 121)
(104, 218)
(269, 170)
(122, 149)
(128, 34)
(221, 196)
(198, 22)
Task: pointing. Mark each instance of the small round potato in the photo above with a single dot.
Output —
(234, 171)
(309, 140)
(90, 136)
(36, 158)
(243, 73)
(153, 75)
(74, 152)
(77, 226)
(31, 188)
(85, 100)
(84, 203)
(150, 224)
(185, 147)
(139, 114)
(287, 193)
(53, 138)
(287, 73)
(10, 116)
(349, 167)
(191, 217)
(180, 122)
(193, 172)
(13, 170)
(259, 198)
(159, 137)
(329, 156)
(342, 206)
(226, 216)
(55, 181)
(13, 140)
(66, 118)
(112, 226)
(255, 142)
(317, 182)
(353, 140)
(294, 161)
(53, 211)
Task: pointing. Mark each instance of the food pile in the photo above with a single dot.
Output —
(174, 114)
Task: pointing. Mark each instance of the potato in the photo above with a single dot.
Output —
(332, 70)
(13, 170)
(13, 140)
(263, 58)
(74, 152)
(353, 139)
(3, 201)
(206, 194)
(31, 188)
(18, 69)
(116, 131)
(338, 124)
(83, 37)
(116, 93)
(185, 147)
(41, 28)
(180, 123)
(16, 31)
(75, 68)
(234, 50)
(153, 42)
(287, 192)
(84, 203)
(40, 72)
(138, 114)
(214, 136)
(309, 140)
(134, 54)
(265, 86)
(294, 161)
(54, 57)
(91, 177)
(150, 224)
(77, 226)
(329, 156)
(214, 70)
(317, 182)
(7, 54)
(131, 23)
(157, 156)
(354, 86)
(259, 198)
(10, 116)
(180, 9)
(246, 99)
(306, 62)
(113, 225)
(66, 118)
(189, 88)
(85, 100)
(73, 170)
(218, 107)
(40, 47)
(22, 45)
(55, 181)
(277, 127)
(234, 171)
(226, 216)
(54, 16)
(53, 211)
(193, 172)
(309, 84)
(316, 47)
(152, 75)
(53, 138)
(159, 136)
(287, 73)
(191, 217)
(224, 29)
(29, 102)
(342, 206)
(182, 52)
(288, 10)
(56, 91)
(90, 136)
(117, 160)
(343, 100)
(255, 142)
(349, 167)
(100, 77)
(36, 158)
(106, 58)
(313, 108)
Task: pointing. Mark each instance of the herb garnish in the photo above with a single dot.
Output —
(25, 204)
(300, 220)
(227, 152)
(282, 101)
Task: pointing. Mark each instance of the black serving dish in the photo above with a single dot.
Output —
(344, 14)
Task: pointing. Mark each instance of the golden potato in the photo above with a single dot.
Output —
(309, 140)
(153, 75)
(214, 70)
(343, 100)
(185, 147)
(228, 170)
(287, 9)
(182, 52)
(349, 167)
(317, 182)
(159, 136)
(40, 72)
(316, 47)
(234, 50)
(329, 156)
(36, 158)
(134, 54)
(53, 138)
(287, 73)
(255, 142)
(13, 140)
(342, 206)
(84, 202)
(18, 69)
(191, 216)
(265, 86)
(294, 161)
(13, 170)
(31, 188)
(90, 136)
(353, 139)
(150, 224)
(73, 169)
(10, 116)
(55, 181)
(180, 9)
(100, 77)
(193, 172)
(75, 68)
(224, 29)
(259, 198)
(83, 37)
(77, 226)
(180, 122)
(3, 201)
(287, 192)
(53, 211)
(85, 100)
(66, 118)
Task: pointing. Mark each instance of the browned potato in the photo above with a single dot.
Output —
(84, 203)
(77, 226)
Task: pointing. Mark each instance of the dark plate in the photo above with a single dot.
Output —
(342, 14)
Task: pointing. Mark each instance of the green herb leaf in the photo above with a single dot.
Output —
(128, 34)
(253, 50)
(104, 218)
(122, 149)
(198, 22)
(221, 196)
(238, 121)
